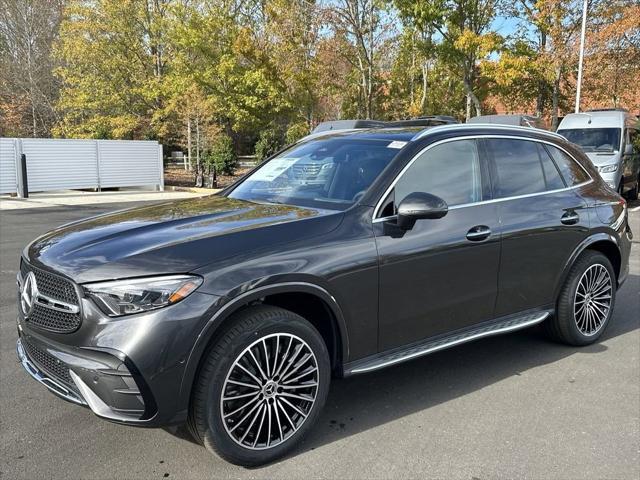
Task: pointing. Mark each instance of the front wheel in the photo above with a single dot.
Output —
(585, 304)
(261, 387)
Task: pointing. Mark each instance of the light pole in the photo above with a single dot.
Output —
(581, 59)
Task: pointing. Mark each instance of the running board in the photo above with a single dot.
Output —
(430, 346)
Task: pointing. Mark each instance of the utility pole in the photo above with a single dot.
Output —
(581, 59)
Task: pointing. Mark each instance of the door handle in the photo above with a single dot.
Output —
(478, 233)
(570, 218)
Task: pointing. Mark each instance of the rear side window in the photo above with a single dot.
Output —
(450, 170)
(572, 173)
(552, 176)
(522, 167)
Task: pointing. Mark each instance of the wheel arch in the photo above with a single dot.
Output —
(601, 242)
(302, 298)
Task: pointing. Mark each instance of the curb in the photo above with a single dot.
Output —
(173, 188)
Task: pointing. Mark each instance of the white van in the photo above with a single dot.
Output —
(608, 138)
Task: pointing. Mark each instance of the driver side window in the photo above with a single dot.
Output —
(450, 170)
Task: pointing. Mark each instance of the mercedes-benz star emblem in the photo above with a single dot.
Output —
(28, 294)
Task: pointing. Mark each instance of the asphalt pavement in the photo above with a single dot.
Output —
(512, 406)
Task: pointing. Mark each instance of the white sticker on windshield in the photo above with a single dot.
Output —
(396, 144)
(272, 169)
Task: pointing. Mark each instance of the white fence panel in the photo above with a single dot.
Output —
(8, 165)
(129, 163)
(59, 164)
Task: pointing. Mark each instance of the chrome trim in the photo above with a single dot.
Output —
(57, 305)
(493, 200)
(471, 126)
(44, 379)
(541, 317)
(36, 297)
(96, 404)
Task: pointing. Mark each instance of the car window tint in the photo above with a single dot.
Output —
(551, 175)
(572, 172)
(518, 167)
(450, 170)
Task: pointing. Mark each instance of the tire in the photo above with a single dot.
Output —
(254, 431)
(578, 320)
(633, 193)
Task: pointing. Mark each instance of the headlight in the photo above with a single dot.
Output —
(608, 168)
(124, 297)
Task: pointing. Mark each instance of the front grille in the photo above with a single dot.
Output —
(58, 288)
(52, 285)
(47, 362)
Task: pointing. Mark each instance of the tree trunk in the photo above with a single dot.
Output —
(542, 85)
(188, 144)
(198, 145)
(472, 99)
(555, 98)
(425, 85)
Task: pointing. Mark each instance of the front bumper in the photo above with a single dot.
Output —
(114, 393)
(612, 179)
(127, 370)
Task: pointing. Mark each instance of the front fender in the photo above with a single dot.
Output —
(243, 295)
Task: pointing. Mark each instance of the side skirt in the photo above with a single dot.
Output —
(431, 345)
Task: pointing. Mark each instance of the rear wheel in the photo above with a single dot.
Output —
(633, 193)
(586, 301)
(261, 387)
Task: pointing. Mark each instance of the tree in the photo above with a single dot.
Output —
(555, 24)
(612, 60)
(222, 155)
(365, 24)
(465, 35)
(293, 35)
(114, 55)
(28, 87)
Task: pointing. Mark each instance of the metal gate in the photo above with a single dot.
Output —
(8, 166)
(61, 164)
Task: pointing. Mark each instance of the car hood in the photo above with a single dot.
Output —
(174, 237)
(603, 158)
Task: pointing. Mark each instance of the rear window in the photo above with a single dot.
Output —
(572, 173)
(594, 139)
(520, 167)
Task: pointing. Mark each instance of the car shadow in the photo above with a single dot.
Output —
(362, 402)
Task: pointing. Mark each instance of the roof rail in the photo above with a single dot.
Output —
(324, 133)
(608, 110)
(426, 121)
(493, 126)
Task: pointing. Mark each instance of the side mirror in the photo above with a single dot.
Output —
(418, 206)
(628, 149)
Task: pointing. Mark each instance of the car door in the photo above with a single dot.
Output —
(441, 275)
(542, 217)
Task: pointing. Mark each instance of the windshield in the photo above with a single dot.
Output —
(594, 139)
(328, 173)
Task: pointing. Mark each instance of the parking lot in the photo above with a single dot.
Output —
(512, 406)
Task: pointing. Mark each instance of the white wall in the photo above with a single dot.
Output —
(60, 164)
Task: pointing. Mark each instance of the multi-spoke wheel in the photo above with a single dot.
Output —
(586, 301)
(261, 387)
(269, 391)
(592, 300)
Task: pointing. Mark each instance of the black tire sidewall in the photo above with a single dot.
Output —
(215, 435)
(565, 308)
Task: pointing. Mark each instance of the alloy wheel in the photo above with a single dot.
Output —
(269, 391)
(592, 301)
